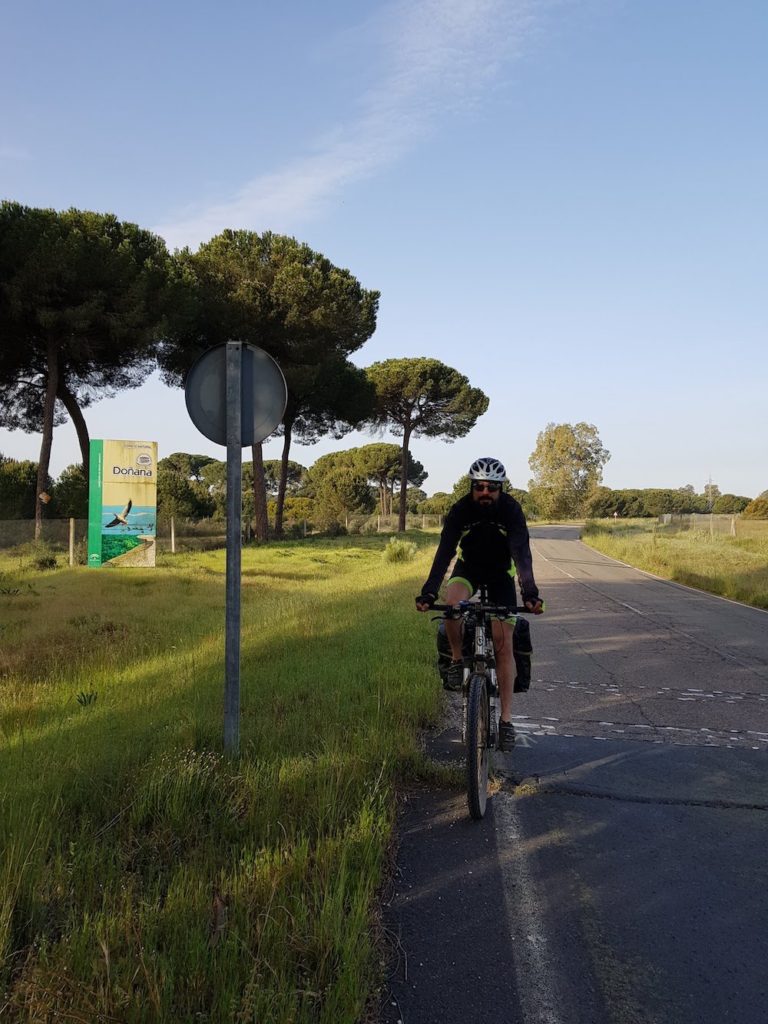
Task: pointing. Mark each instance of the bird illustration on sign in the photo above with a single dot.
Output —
(121, 518)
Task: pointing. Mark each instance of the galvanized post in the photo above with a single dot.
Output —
(71, 541)
(234, 541)
(173, 536)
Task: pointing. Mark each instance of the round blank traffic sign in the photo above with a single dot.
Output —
(264, 394)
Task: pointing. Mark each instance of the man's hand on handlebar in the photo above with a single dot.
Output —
(536, 606)
(425, 601)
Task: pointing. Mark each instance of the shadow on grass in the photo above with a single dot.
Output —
(331, 704)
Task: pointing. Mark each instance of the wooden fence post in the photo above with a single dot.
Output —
(71, 542)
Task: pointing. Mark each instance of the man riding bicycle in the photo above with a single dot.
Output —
(489, 529)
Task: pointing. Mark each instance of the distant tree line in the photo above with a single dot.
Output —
(358, 481)
(567, 465)
(355, 482)
(90, 305)
(656, 501)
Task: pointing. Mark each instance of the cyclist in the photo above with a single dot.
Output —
(488, 527)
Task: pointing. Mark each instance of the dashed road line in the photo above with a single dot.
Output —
(673, 735)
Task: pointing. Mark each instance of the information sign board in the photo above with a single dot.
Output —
(122, 503)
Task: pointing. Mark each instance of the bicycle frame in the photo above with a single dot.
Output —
(482, 662)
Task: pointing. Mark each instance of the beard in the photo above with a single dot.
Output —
(486, 503)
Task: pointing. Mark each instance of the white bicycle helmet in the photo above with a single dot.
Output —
(487, 469)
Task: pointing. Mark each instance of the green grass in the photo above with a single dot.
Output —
(144, 876)
(734, 567)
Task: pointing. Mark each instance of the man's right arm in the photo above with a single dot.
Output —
(446, 549)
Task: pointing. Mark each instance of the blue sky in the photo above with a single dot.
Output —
(563, 199)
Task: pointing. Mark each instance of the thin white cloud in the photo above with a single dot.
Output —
(439, 55)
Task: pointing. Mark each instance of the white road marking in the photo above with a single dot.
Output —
(660, 579)
(535, 968)
(654, 617)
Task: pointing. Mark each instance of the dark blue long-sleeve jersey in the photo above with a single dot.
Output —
(490, 539)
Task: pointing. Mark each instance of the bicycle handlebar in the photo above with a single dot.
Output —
(489, 609)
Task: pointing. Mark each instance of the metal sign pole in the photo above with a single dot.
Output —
(236, 396)
(234, 541)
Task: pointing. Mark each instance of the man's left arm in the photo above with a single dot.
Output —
(520, 550)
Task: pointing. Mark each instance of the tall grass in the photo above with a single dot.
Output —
(734, 567)
(144, 876)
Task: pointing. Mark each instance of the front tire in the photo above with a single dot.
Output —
(477, 746)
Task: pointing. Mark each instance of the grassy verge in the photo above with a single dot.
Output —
(144, 877)
(733, 567)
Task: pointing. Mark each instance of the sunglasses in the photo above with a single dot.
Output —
(480, 486)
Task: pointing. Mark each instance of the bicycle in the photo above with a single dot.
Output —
(480, 690)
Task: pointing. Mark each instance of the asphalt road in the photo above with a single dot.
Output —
(621, 872)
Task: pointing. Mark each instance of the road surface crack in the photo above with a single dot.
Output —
(528, 787)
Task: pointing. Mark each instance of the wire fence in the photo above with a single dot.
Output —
(176, 535)
(390, 524)
(733, 526)
(56, 532)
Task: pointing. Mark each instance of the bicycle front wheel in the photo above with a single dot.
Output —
(477, 745)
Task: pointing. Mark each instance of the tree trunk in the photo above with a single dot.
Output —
(403, 481)
(281, 488)
(260, 516)
(75, 414)
(49, 408)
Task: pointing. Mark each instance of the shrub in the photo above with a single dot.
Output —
(81, 552)
(399, 550)
(757, 509)
(295, 531)
(335, 529)
(37, 554)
